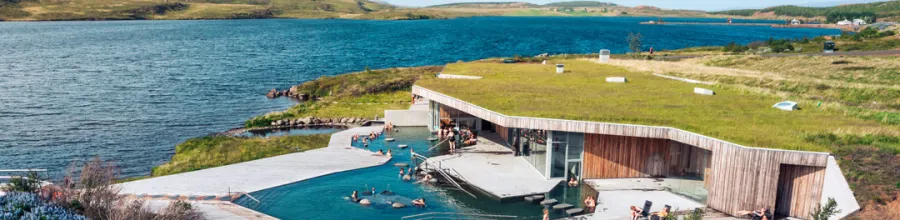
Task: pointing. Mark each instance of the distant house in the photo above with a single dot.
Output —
(844, 22)
(859, 22)
(795, 22)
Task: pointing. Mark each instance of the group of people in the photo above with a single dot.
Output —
(366, 139)
(382, 153)
(637, 213)
(467, 136)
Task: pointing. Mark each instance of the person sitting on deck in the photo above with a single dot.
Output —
(573, 182)
(354, 197)
(379, 153)
(589, 204)
(661, 214)
(761, 214)
(388, 153)
(473, 139)
(420, 202)
(636, 213)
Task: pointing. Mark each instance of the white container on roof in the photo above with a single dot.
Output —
(604, 55)
(703, 91)
(559, 68)
(616, 79)
(786, 105)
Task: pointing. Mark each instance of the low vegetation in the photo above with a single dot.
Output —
(362, 94)
(214, 151)
(530, 90)
(86, 193)
(867, 11)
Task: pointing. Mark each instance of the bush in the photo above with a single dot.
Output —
(825, 212)
(24, 205)
(30, 183)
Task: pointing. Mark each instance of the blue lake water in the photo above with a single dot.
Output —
(130, 91)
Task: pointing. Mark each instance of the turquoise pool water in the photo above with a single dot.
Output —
(325, 197)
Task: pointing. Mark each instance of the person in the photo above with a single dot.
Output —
(373, 191)
(761, 214)
(651, 50)
(389, 153)
(354, 197)
(636, 213)
(661, 214)
(410, 172)
(420, 202)
(573, 182)
(452, 141)
(546, 214)
(590, 203)
(355, 137)
(425, 179)
(365, 143)
(379, 153)
(401, 172)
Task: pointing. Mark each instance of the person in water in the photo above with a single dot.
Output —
(573, 182)
(389, 153)
(354, 197)
(379, 153)
(373, 191)
(365, 143)
(420, 202)
(401, 171)
(425, 179)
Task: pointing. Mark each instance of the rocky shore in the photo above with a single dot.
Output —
(291, 93)
(302, 122)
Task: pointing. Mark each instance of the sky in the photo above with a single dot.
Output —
(706, 5)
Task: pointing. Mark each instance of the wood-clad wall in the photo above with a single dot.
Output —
(740, 177)
(797, 193)
(502, 131)
(609, 156)
(688, 160)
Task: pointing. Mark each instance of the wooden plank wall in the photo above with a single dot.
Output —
(798, 193)
(690, 160)
(741, 178)
(609, 156)
(502, 131)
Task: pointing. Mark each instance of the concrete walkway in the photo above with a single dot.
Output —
(495, 170)
(229, 182)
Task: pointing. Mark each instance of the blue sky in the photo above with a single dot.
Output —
(669, 4)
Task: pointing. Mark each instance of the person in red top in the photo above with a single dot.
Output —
(651, 50)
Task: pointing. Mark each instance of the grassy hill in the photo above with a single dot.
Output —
(869, 11)
(183, 9)
(486, 5)
(580, 4)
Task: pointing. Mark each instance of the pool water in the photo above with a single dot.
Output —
(308, 130)
(326, 197)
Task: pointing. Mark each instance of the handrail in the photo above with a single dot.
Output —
(457, 173)
(244, 194)
(438, 144)
(458, 214)
(450, 179)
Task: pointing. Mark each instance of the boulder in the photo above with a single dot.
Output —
(317, 121)
(307, 120)
(398, 205)
(343, 120)
(328, 121)
(300, 122)
(272, 94)
(274, 123)
(292, 92)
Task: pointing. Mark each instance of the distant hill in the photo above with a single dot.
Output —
(868, 11)
(182, 9)
(572, 4)
(486, 5)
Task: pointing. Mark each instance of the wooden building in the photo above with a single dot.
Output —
(732, 177)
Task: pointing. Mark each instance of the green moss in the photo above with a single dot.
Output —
(214, 151)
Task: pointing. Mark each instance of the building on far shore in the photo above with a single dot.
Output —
(795, 22)
(569, 141)
(845, 22)
(859, 22)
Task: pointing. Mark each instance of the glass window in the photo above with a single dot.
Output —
(576, 145)
(558, 159)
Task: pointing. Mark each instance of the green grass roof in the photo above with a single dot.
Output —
(582, 93)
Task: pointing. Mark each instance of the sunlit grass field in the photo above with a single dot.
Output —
(733, 114)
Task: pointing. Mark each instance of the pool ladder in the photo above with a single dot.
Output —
(453, 215)
(445, 175)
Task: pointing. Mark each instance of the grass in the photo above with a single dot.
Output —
(362, 94)
(733, 114)
(214, 151)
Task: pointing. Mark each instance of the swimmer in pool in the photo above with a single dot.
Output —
(419, 202)
(354, 197)
(388, 153)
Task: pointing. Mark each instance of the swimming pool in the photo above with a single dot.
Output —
(325, 197)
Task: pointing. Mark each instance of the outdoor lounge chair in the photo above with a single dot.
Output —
(646, 210)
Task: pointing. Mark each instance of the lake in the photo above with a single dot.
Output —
(130, 91)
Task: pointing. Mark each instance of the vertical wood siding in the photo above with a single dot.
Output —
(609, 156)
(798, 193)
(739, 177)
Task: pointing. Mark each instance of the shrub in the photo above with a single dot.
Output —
(30, 183)
(825, 212)
(25, 205)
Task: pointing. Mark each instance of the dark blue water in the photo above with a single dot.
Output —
(130, 91)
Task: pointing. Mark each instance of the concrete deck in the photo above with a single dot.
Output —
(500, 174)
(264, 173)
(216, 210)
(615, 196)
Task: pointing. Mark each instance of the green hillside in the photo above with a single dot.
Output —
(868, 11)
(183, 9)
(573, 4)
(486, 5)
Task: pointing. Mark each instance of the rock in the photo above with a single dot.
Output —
(274, 123)
(365, 202)
(398, 205)
(272, 94)
(328, 121)
(343, 120)
(317, 121)
(292, 92)
(307, 120)
(292, 122)
(302, 97)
